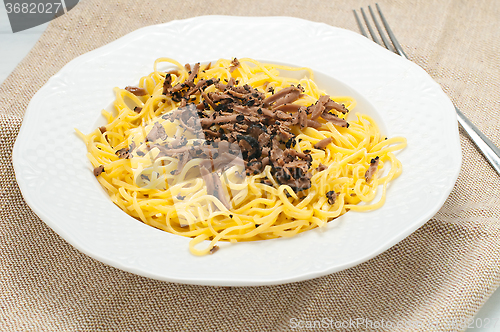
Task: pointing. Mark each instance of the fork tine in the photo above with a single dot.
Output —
(369, 26)
(363, 31)
(379, 28)
(395, 42)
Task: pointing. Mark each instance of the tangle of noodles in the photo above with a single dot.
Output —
(150, 184)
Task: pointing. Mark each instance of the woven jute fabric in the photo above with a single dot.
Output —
(439, 275)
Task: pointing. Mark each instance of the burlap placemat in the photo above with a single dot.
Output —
(440, 274)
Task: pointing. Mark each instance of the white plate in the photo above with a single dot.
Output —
(56, 180)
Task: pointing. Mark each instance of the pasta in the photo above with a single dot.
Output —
(234, 151)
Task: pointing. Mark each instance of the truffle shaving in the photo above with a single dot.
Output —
(372, 169)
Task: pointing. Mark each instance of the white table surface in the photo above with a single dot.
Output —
(14, 47)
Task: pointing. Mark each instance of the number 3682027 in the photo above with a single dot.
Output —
(33, 8)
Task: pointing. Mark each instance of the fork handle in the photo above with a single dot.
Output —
(489, 150)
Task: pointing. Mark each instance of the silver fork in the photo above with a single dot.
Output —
(490, 151)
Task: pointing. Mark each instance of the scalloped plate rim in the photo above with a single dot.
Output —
(230, 281)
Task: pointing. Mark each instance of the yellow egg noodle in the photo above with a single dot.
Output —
(160, 190)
